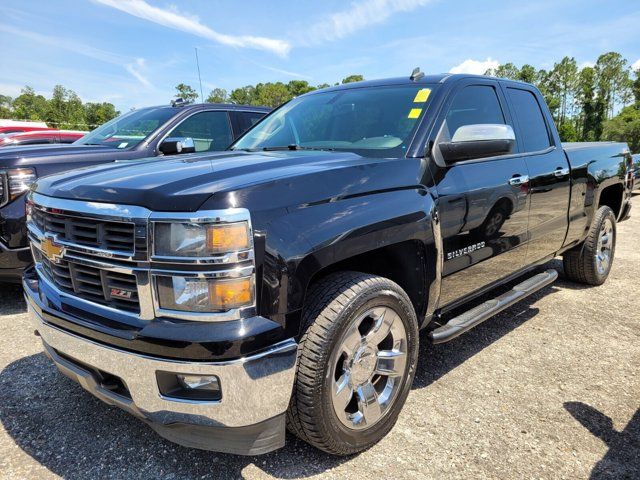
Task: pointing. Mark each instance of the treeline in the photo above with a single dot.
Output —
(599, 102)
(63, 110)
(270, 94)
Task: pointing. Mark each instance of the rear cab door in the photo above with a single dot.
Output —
(548, 167)
(483, 203)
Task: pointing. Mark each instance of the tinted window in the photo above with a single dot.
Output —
(246, 120)
(210, 131)
(477, 104)
(372, 121)
(533, 128)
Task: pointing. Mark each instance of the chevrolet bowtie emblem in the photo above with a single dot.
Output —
(52, 250)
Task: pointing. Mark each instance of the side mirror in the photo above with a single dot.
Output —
(175, 145)
(478, 141)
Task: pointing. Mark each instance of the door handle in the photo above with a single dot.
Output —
(518, 180)
(561, 172)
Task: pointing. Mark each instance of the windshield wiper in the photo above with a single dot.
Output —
(294, 146)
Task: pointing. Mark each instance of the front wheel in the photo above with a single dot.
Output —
(356, 362)
(591, 262)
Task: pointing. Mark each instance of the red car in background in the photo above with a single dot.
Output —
(15, 126)
(39, 137)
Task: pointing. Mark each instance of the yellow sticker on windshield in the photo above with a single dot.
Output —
(414, 113)
(422, 95)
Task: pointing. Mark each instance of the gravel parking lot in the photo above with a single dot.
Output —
(548, 389)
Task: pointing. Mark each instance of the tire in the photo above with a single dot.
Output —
(345, 310)
(581, 263)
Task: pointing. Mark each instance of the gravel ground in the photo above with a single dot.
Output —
(548, 389)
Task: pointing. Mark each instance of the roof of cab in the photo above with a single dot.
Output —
(427, 79)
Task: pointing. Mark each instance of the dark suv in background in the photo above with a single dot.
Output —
(155, 131)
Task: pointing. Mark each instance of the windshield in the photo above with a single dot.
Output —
(128, 130)
(374, 121)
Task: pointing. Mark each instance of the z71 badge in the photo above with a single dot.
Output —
(465, 250)
(120, 293)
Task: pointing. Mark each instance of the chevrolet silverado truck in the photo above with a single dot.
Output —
(153, 131)
(221, 297)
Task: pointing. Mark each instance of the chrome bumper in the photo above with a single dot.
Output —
(255, 390)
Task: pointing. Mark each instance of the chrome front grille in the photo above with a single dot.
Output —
(113, 289)
(4, 191)
(102, 234)
(102, 253)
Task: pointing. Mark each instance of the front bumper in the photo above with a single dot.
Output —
(249, 418)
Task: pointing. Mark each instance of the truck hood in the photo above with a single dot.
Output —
(184, 183)
(40, 151)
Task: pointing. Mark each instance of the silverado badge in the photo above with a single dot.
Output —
(52, 250)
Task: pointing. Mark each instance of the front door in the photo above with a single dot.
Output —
(483, 203)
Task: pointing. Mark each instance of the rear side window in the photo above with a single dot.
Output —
(476, 104)
(246, 120)
(533, 129)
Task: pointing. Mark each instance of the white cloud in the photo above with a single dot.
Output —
(477, 67)
(586, 64)
(172, 18)
(358, 16)
(135, 68)
(132, 66)
(636, 65)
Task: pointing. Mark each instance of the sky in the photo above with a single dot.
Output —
(133, 52)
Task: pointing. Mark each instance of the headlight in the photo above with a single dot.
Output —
(19, 180)
(200, 239)
(204, 294)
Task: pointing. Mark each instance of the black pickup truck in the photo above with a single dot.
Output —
(220, 297)
(142, 133)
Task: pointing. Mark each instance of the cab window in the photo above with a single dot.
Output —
(210, 131)
(475, 104)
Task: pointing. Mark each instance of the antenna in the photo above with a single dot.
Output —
(416, 74)
(199, 78)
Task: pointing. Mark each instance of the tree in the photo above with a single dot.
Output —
(613, 81)
(565, 75)
(75, 114)
(186, 92)
(567, 132)
(271, 94)
(352, 78)
(6, 106)
(218, 95)
(591, 106)
(635, 88)
(243, 95)
(508, 70)
(624, 127)
(299, 87)
(29, 106)
(98, 113)
(528, 74)
(56, 107)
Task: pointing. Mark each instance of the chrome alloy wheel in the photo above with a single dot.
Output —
(605, 247)
(367, 368)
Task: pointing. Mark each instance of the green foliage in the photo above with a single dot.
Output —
(218, 95)
(567, 132)
(63, 110)
(99, 113)
(352, 78)
(186, 92)
(625, 127)
(582, 101)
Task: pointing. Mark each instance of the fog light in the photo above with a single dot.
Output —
(199, 382)
(189, 386)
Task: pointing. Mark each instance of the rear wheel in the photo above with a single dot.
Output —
(356, 362)
(591, 262)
